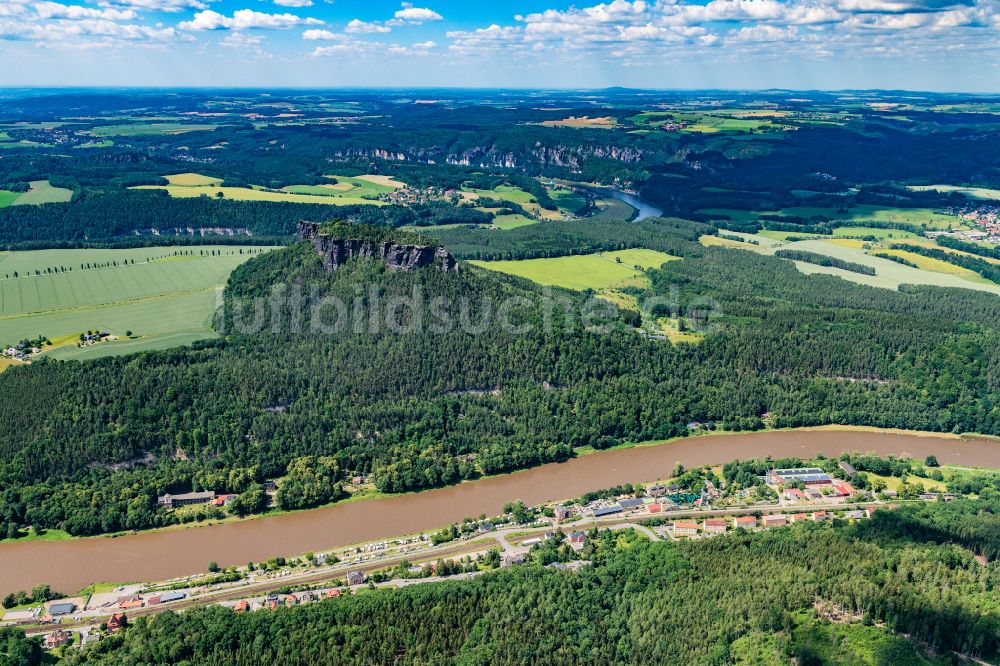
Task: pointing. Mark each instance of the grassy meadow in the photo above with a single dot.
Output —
(8, 198)
(42, 192)
(856, 216)
(888, 274)
(514, 195)
(150, 129)
(587, 271)
(346, 192)
(163, 298)
(971, 192)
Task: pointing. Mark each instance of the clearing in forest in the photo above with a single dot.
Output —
(585, 271)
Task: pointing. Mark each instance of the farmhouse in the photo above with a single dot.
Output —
(810, 476)
(173, 501)
(746, 522)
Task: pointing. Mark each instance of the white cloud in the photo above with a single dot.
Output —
(314, 35)
(358, 26)
(168, 6)
(54, 10)
(294, 3)
(252, 44)
(418, 49)
(14, 8)
(411, 14)
(763, 33)
(244, 19)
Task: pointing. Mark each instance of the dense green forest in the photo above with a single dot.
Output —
(409, 406)
(898, 589)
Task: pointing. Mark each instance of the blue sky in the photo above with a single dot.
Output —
(823, 44)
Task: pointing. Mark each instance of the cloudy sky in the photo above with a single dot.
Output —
(902, 44)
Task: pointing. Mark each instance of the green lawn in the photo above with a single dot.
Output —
(588, 271)
(164, 299)
(42, 192)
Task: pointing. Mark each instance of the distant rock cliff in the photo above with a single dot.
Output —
(337, 251)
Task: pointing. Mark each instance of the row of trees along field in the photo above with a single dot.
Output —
(897, 589)
(408, 409)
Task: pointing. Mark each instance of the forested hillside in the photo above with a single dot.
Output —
(410, 407)
(886, 591)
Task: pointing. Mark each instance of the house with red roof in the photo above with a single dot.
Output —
(117, 622)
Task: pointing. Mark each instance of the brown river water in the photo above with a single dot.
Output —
(70, 565)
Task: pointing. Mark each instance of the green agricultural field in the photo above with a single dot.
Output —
(361, 187)
(150, 129)
(888, 274)
(512, 221)
(504, 193)
(164, 299)
(588, 271)
(858, 215)
(253, 194)
(42, 192)
(192, 180)
(567, 200)
(863, 232)
(8, 198)
(518, 196)
(971, 192)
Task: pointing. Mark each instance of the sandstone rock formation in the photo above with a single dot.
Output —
(337, 251)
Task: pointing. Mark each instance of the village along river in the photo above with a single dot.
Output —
(70, 565)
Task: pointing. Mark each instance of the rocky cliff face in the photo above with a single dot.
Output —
(337, 251)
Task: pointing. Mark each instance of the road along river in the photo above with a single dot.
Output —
(70, 565)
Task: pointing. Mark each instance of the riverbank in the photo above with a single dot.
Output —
(370, 495)
(70, 565)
